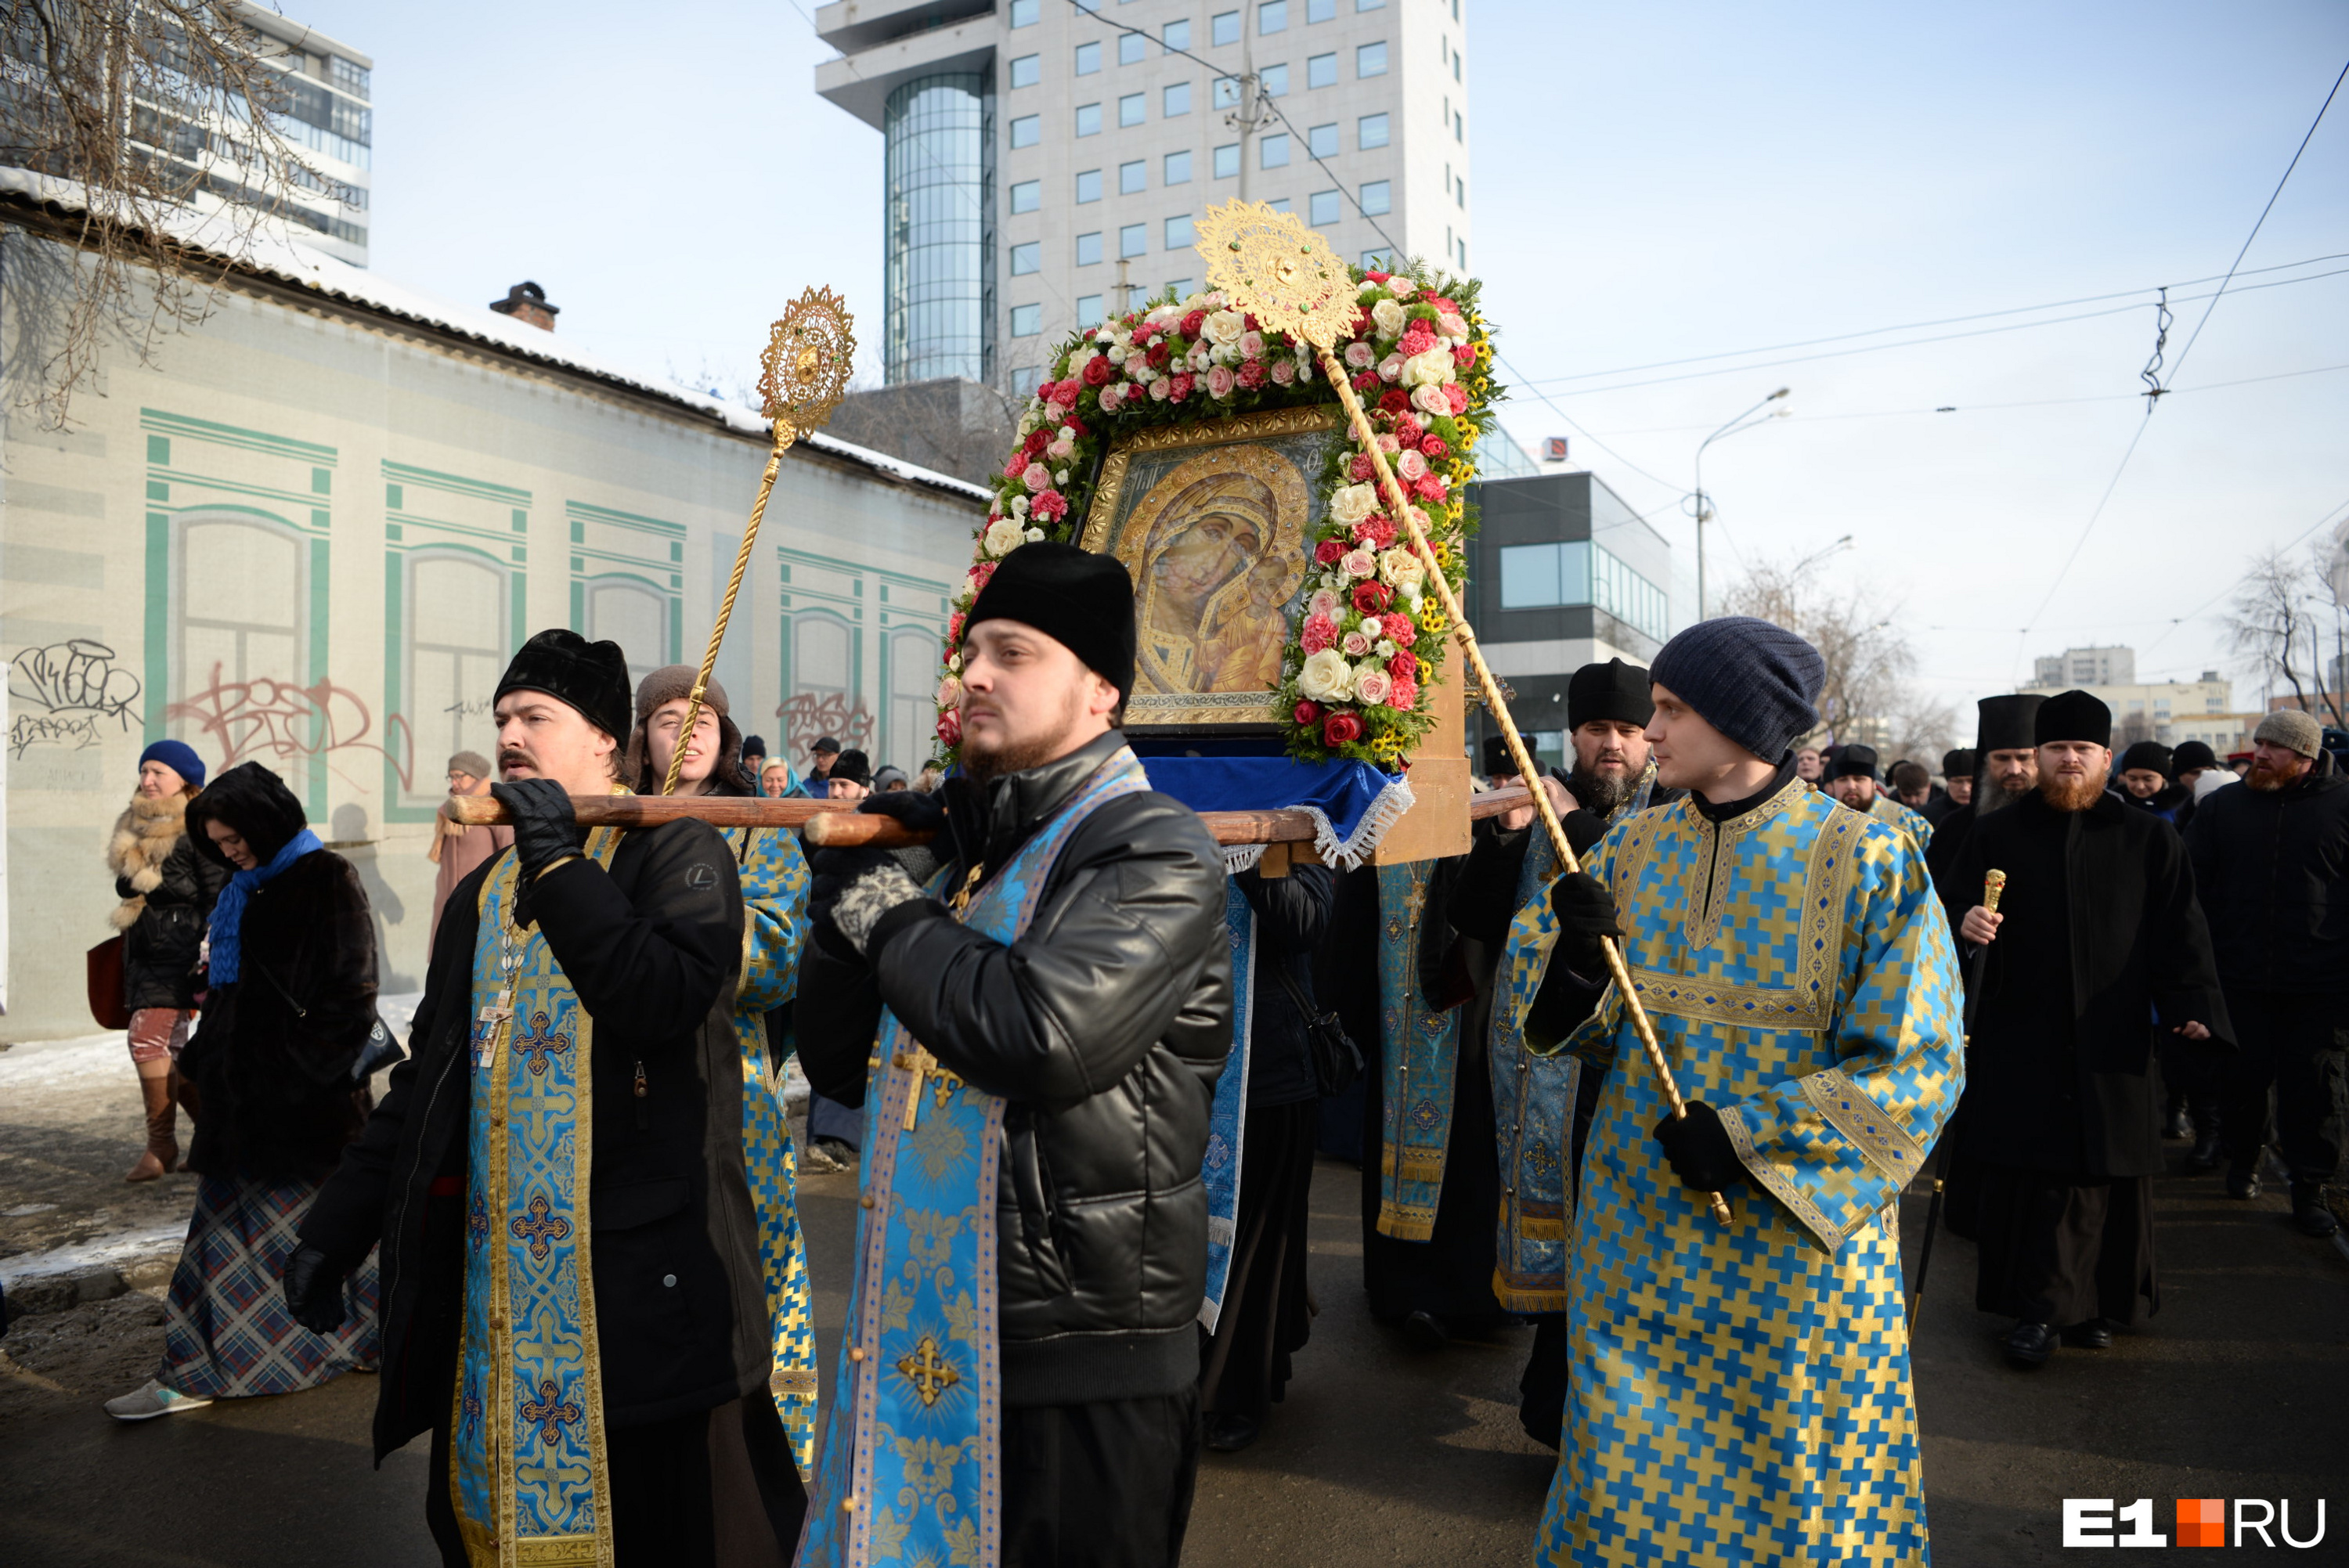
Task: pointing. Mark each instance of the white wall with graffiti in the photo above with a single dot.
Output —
(312, 532)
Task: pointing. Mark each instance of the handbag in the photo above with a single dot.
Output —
(105, 970)
(1337, 1060)
(376, 1052)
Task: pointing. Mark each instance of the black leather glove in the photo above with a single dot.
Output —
(544, 828)
(313, 1290)
(914, 811)
(1586, 911)
(1699, 1149)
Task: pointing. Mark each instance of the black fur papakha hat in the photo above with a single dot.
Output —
(591, 677)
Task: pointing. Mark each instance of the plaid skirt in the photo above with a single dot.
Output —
(226, 1332)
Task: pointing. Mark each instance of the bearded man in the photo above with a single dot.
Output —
(574, 1075)
(2006, 768)
(1851, 780)
(2273, 859)
(2099, 931)
(1020, 1378)
(1799, 976)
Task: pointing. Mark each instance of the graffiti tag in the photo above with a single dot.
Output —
(808, 717)
(279, 722)
(30, 729)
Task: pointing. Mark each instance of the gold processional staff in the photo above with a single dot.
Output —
(1270, 265)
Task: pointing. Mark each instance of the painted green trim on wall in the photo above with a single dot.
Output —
(395, 590)
(321, 578)
(581, 512)
(158, 620)
(156, 420)
(432, 478)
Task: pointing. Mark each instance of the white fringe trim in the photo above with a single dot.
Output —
(1350, 852)
(1239, 857)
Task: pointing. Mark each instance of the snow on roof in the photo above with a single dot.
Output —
(262, 251)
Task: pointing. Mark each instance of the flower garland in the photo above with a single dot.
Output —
(1365, 643)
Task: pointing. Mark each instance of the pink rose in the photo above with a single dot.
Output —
(1036, 477)
(1359, 562)
(1403, 694)
(950, 727)
(1360, 355)
(1061, 449)
(949, 692)
(1390, 368)
(1051, 506)
(1251, 342)
(1431, 400)
(1317, 633)
(1463, 356)
(1159, 390)
(1324, 602)
(1112, 395)
(1355, 644)
(1411, 465)
(1389, 445)
(1284, 371)
(1221, 381)
(1252, 375)
(1373, 685)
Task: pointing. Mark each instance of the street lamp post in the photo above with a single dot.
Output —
(1702, 514)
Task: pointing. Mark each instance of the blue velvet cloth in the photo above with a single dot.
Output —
(1358, 801)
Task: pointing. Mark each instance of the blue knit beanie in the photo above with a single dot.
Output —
(1756, 683)
(178, 757)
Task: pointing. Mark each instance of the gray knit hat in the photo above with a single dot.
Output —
(1756, 683)
(2290, 727)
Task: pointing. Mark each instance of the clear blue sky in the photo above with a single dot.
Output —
(1651, 182)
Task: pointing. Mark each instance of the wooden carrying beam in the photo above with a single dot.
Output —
(838, 823)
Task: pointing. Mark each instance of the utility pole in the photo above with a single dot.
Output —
(1247, 113)
(1703, 513)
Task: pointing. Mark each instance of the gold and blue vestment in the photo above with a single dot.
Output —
(1741, 1394)
(1419, 1060)
(1907, 818)
(774, 876)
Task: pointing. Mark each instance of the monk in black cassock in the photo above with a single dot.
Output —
(2098, 943)
(2005, 769)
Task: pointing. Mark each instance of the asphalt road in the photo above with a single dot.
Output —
(1381, 1454)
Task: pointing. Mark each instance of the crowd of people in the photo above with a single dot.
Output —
(1082, 1064)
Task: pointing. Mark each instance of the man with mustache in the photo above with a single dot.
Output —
(2006, 768)
(2099, 932)
(574, 1078)
(2271, 858)
(1022, 1360)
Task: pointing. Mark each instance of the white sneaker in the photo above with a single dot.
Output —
(153, 1400)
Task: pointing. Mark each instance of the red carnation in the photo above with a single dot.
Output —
(1372, 598)
(980, 573)
(1457, 395)
(1097, 371)
(1340, 728)
(1378, 277)
(1330, 552)
(1394, 400)
(1252, 375)
(1064, 393)
(1382, 530)
(1306, 712)
(1402, 632)
(1403, 665)
(1361, 468)
(1051, 506)
(1408, 430)
(1427, 486)
(1193, 323)
(1444, 306)
(1181, 386)
(954, 630)
(1416, 341)
(1464, 356)
(1432, 448)
(1017, 465)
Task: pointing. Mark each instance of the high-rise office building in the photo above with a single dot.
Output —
(330, 118)
(1045, 160)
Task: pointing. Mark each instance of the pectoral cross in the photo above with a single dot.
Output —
(490, 1032)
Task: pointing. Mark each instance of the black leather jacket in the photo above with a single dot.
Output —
(1104, 1025)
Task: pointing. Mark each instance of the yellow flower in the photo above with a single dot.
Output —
(1430, 614)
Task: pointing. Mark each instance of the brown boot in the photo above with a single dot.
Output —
(163, 1139)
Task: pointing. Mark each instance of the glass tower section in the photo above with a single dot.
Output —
(940, 242)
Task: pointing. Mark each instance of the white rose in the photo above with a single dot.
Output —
(1432, 368)
(1003, 536)
(1389, 319)
(1226, 326)
(1351, 503)
(1326, 677)
(1401, 570)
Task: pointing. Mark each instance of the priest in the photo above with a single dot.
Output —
(1956, 787)
(2006, 768)
(1739, 1392)
(2098, 932)
(570, 1116)
(1852, 781)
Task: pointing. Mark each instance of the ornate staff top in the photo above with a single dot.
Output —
(1285, 273)
(803, 374)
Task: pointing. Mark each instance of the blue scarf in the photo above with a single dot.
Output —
(228, 910)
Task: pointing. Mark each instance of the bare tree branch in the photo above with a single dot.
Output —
(2278, 623)
(1869, 698)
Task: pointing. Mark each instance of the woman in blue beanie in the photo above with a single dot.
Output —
(166, 890)
(1798, 970)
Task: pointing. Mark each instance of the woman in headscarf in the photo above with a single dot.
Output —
(292, 1002)
(166, 890)
(774, 875)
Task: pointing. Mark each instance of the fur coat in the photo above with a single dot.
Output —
(167, 891)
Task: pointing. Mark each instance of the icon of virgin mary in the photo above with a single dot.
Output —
(1221, 555)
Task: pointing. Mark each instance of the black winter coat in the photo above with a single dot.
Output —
(278, 1101)
(167, 891)
(1104, 1026)
(2102, 944)
(1292, 913)
(2271, 865)
(652, 947)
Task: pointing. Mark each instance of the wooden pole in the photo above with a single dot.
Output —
(784, 436)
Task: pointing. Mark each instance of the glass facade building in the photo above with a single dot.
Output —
(939, 134)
